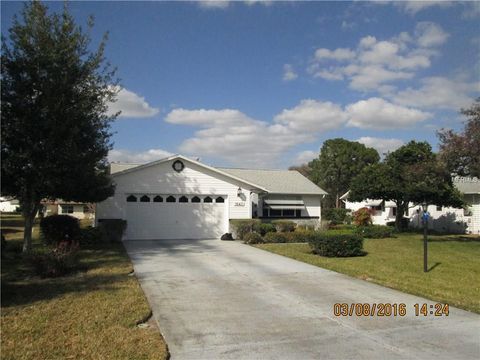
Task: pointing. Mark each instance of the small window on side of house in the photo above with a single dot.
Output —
(158, 198)
(439, 208)
(183, 199)
(208, 199)
(131, 198)
(195, 199)
(144, 198)
(219, 200)
(67, 209)
(171, 199)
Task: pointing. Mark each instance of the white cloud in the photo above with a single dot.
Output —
(304, 157)
(131, 105)
(383, 146)
(412, 7)
(375, 63)
(312, 115)
(213, 4)
(439, 93)
(376, 113)
(129, 156)
(289, 73)
(429, 34)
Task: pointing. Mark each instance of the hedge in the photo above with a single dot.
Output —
(243, 227)
(58, 228)
(284, 225)
(275, 237)
(299, 236)
(336, 215)
(336, 245)
(253, 238)
(263, 228)
(375, 231)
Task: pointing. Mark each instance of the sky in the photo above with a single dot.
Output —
(263, 84)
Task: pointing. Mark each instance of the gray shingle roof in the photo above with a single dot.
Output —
(467, 185)
(278, 181)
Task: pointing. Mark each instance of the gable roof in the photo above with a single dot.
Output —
(271, 181)
(134, 168)
(278, 181)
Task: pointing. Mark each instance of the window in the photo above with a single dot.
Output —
(275, 213)
(298, 213)
(67, 209)
(183, 199)
(394, 211)
(220, 199)
(208, 199)
(195, 199)
(86, 209)
(158, 198)
(131, 198)
(171, 199)
(439, 208)
(144, 198)
(288, 213)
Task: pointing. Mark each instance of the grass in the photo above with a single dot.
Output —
(88, 315)
(453, 277)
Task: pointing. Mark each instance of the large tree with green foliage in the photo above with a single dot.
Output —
(410, 174)
(461, 151)
(55, 127)
(339, 162)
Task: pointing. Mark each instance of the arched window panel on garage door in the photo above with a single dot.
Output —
(219, 200)
(145, 198)
(183, 199)
(158, 198)
(195, 199)
(171, 199)
(131, 198)
(208, 199)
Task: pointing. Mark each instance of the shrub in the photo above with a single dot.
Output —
(340, 231)
(363, 216)
(93, 235)
(263, 228)
(304, 227)
(253, 238)
(57, 262)
(275, 237)
(226, 236)
(59, 228)
(341, 227)
(375, 231)
(336, 215)
(243, 227)
(299, 236)
(284, 225)
(336, 245)
(114, 228)
(403, 223)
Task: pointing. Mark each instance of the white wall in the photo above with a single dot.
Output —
(162, 179)
(312, 206)
(379, 217)
(8, 205)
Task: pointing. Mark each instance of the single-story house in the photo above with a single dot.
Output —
(444, 219)
(181, 198)
(62, 207)
(8, 204)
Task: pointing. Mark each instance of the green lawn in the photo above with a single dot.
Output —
(88, 315)
(454, 262)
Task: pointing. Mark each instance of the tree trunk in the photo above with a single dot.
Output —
(399, 216)
(30, 209)
(337, 201)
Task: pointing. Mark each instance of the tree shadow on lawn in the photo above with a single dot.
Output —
(434, 266)
(29, 291)
(456, 239)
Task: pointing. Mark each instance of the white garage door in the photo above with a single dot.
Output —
(175, 217)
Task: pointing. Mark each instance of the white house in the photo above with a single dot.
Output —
(180, 198)
(62, 207)
(444, 219)
(8, 204)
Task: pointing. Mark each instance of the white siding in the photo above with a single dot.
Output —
(162, 179)
(312, 205)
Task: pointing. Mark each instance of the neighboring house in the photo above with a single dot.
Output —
(180, 198)
(444, 219)
(75, 209)
(8, 204)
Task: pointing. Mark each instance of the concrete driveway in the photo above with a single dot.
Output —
(225, 300)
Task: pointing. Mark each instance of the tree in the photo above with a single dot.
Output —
(461, 152)
(411, 174)
(339, 162)
(303, 169)
(55, 128)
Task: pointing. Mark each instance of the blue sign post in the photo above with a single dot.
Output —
(425, 217)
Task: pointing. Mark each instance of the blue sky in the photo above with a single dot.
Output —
(263, 84)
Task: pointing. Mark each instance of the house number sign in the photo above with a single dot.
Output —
(239, 203)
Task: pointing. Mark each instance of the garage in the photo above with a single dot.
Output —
(158, 216)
